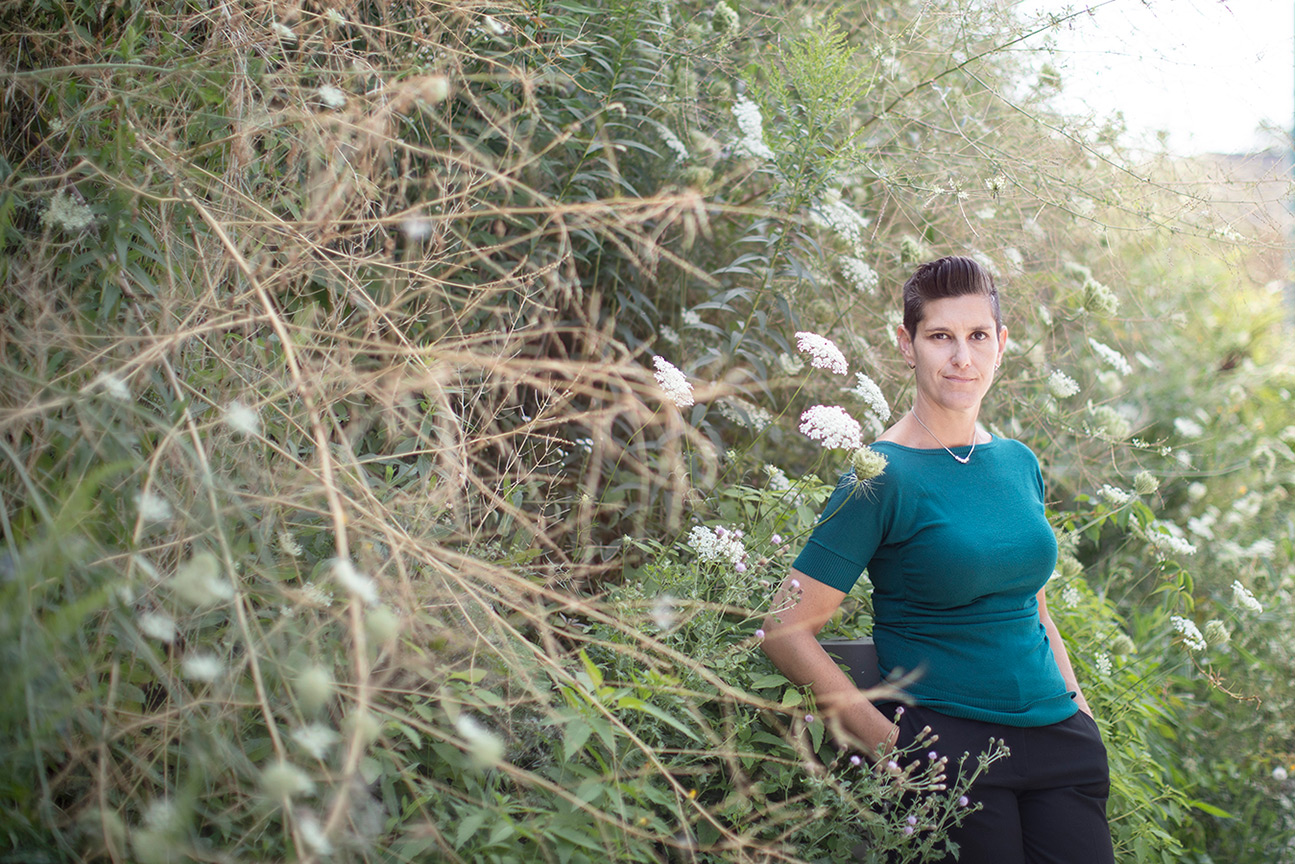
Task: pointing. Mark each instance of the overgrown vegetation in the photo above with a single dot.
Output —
(347, 516)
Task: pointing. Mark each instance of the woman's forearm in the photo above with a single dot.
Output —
(800, 609)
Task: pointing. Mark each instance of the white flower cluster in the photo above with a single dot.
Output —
(484, 747)
(1216, 632)
(1168, 538)
(860, 275)
(242, 419)
(690, 318)
(867, 390)
(1242, 597)
(673, 143)
(778, 482)
(832, 426)
(1192, 636)
(744, 413)
(1110, 357)
(673, 382)
(113, 386)
(157, 626)
(1203, 525)
(823, 353)
(1115, 496)
(1098, 299)
(202, 667)
(63, 212)
(1187, 427)
(1071, 597)
(153, 507)
(718, 544)
(663, 612)
(1103, 663)
(842, 220)
(751, 125)
(316, 739)
(790, 364)
(353, 581)
(1062, 385)
(1109, 423)
(1145, 483)
(331, 96)
(868, 464)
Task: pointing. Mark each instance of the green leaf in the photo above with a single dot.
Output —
(1211, 809)
(574, 737)
(772, 679)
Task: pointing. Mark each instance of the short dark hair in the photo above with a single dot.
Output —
(951, 276)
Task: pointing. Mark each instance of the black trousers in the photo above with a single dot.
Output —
(1044, 804)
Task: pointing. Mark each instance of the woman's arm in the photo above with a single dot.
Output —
(1059, 654)
(802, 606)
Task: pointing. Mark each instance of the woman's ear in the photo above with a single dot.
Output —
(905, 345)
(1002, 343)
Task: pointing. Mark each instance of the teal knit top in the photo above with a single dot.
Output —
(955, 554)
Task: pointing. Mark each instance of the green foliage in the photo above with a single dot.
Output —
(343, 516)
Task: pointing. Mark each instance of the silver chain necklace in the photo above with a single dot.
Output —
(962, 459)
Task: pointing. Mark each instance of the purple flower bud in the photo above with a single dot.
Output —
(899, 712)
(856, 761)
(720, 531)
(776, 539)
(963, 801)
(795, 583)
(809, 718)
(759, 634)
(912, 820)
(738, 534)
(892, 765)
(739, 567)
(908, 829)
(932, 755)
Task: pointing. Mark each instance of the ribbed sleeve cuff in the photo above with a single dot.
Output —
(823, 565)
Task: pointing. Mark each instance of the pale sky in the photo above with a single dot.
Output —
(1207, 71)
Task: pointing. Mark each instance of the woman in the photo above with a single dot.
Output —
(957, 546)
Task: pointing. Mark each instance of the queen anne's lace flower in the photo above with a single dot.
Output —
(1115, 496)
(868, 464)
(316, 739)
(860, 275)
(66, 213)
(1242, 597)
(867, 390)
(202, 667)
(673, 382)
(832, 426)
(1145, 483)
(745, 413)
(354, 581)
(1109, 423)
(1062, 385)
(823, 353)
(1192, 636)
(1216, 632)
(1098, 299)
(1167, 538)
(844, 221)
(331, 96)
(242, 419)
(717, 544)
(1110, 357)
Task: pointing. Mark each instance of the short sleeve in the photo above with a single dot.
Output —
(848, 532)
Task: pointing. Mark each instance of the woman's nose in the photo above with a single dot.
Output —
(961, 354)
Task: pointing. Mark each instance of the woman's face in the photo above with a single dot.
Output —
(955, 350)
